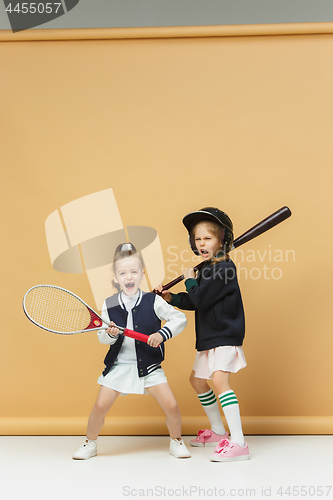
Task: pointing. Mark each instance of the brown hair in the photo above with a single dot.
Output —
(215, 228)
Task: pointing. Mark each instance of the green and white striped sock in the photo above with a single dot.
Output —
(230, 408)
(210, 405)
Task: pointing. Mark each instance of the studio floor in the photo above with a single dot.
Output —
(281, 467)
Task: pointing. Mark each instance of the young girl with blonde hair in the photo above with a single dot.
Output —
(133, 367)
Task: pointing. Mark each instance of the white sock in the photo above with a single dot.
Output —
(210, 405)
(230, 408)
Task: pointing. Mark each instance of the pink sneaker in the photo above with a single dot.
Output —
(208, 438)
(229, 451)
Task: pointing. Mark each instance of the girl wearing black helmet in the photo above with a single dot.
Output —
(215, 297)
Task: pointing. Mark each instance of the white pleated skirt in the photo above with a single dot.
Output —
(124, 378)
(225, 358)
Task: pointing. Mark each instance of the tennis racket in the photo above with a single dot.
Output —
(58, 310)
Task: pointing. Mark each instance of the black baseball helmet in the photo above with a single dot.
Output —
(213, 215)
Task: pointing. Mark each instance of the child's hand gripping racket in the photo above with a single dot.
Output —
(59, 311)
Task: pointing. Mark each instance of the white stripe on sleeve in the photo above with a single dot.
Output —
(175, 320)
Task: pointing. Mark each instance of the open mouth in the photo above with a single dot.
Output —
(204, 253)
(129, 286)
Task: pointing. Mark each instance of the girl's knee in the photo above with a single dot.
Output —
(101, 407)
(193, 380)
(221, 381)
(173, 407)
(199, 385)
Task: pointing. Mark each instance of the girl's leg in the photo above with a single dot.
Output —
(210, 405)
(229, 404)
(105, 399)
(163, 395)
(199, 384)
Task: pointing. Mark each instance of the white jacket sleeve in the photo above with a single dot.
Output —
(175, 320)
(104, 337)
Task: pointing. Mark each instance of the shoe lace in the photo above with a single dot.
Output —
(204, 433)
(223, 444)
(86, 443)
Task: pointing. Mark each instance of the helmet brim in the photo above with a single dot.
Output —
(191, 219)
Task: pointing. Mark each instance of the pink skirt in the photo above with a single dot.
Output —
(225, 358)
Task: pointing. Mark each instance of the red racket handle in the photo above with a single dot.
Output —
(135, 335)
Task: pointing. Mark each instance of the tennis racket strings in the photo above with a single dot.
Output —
(57, 310)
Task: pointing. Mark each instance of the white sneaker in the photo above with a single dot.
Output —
(87, 450)
(178, 449)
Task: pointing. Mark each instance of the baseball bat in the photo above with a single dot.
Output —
(271, 221)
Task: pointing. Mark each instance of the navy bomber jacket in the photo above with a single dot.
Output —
(147, 314)
(216, 299)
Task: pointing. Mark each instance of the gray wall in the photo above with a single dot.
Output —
(135, 13)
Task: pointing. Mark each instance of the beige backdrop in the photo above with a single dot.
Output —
(172, 125)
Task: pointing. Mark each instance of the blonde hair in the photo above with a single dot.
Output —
(123, 251)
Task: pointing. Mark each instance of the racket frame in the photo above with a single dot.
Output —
(93, 315)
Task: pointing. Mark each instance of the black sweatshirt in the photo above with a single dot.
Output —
(216, 299)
